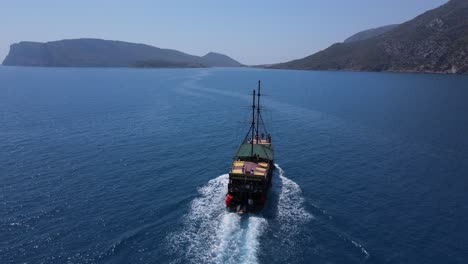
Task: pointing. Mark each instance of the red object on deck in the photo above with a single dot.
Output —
(228, 199)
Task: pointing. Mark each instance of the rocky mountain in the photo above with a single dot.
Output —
(105, 53)
(219, 60)
(370, 33)
(436, 41)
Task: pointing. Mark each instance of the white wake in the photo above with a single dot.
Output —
(212, 235)
(290, 209)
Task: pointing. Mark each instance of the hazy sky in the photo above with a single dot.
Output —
(253, 32)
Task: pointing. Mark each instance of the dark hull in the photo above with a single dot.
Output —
(256, 191)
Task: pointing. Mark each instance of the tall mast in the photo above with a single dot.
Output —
(253, 122)
(258, 111)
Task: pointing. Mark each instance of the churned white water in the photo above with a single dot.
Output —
(213, 235)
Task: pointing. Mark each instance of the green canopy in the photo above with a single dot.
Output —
(264, 151)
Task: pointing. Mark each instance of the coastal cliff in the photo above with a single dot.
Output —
(434, 42)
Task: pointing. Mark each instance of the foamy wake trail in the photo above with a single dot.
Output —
(290, 205)
(212, 235)
(292, 216)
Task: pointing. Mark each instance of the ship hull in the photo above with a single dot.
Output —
(243, 189)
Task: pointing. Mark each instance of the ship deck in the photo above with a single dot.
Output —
(260, 141)
(250, 168)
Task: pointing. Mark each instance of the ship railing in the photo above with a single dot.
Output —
(244, 189)
(258, 140)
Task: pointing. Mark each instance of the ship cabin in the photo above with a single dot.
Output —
(251, 170)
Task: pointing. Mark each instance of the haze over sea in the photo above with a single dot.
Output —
(121, 165)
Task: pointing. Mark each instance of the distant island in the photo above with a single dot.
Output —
(88, 52)
(434, 42)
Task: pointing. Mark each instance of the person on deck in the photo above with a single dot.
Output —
(228, 199)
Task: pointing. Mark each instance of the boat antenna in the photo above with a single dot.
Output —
(253, 122)
(258, 111)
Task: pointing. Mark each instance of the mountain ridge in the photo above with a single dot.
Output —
(218, 59)
(433, 42)
(370, 33)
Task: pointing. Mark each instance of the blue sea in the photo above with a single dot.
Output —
(125, 165)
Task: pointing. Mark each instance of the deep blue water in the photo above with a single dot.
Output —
(128, 166)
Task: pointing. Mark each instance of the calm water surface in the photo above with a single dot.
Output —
(129, 166)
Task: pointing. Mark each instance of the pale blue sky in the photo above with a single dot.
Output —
(253, 32)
